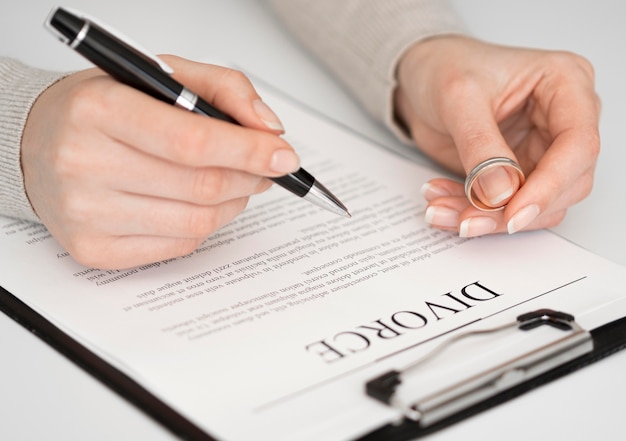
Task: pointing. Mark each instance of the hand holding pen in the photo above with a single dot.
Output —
(121, 179)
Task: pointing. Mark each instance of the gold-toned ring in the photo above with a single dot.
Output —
(482, 168)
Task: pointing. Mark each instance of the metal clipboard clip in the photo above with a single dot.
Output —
(461, 395)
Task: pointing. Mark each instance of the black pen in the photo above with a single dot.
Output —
(145, 72)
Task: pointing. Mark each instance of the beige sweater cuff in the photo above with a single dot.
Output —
(20, 86)
(362, 41)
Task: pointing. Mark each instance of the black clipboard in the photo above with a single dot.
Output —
(593, 345)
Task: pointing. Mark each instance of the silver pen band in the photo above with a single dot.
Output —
(80, 36)
(187, 99)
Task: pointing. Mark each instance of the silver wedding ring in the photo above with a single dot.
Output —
(482, 168)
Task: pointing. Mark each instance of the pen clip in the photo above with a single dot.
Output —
(114, 32)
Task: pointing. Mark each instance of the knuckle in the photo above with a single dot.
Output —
(69, 158)
(208, 185)
(583, 64)
(187, 146)
(86, 251)
(262, 185)
(87, 99)
(594, 145)
(75, 208)
(566, 63)
(84, 103)
(236, 78)
(587, 147)
(476, 140)
(556, 218)
(459, 85)
(80, 97)
(598, 103)
(201, 222)
(256, 155)
(586, 185)
(184, 247)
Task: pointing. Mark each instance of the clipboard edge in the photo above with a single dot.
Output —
(608, 339)
(100, 369)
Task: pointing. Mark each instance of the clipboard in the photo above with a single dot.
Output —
(575, 349)
(606, 338)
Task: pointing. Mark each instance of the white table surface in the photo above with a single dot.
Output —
(44, 396)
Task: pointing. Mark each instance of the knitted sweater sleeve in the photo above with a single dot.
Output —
(361, 41)
(20, 85)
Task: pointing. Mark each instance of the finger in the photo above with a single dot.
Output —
(176, 135)
(472, 124)
(449, 209)
(453, 212)
(147, 216)
(441, 187)
(568, 110)
(131, 251)
(130, 171)
(146, 230)
(229, 90)
(479, 223)
(200, 186)
(533, 208)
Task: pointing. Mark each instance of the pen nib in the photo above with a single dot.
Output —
(322, 197)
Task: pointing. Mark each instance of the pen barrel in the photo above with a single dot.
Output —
(118, 59)
(126, 65)
(299, 183)
(204, 108)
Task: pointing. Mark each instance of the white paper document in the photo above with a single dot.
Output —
(271, 328)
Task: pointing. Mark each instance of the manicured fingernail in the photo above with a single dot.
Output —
(442, 217)
(431, 191)
(522, 218)
(497, 186)
(285, 161)
(477, 226)
(268, 117)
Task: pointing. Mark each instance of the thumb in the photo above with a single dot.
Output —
(478, 138)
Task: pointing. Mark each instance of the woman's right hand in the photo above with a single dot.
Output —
(121, 179)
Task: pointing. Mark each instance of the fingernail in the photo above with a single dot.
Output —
(522, 218)
(477, 226)
(497, 186)
(431, 191)
(268, 117)
(285, 161)
(442, 217)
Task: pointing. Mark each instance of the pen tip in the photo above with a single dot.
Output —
(320, 196)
